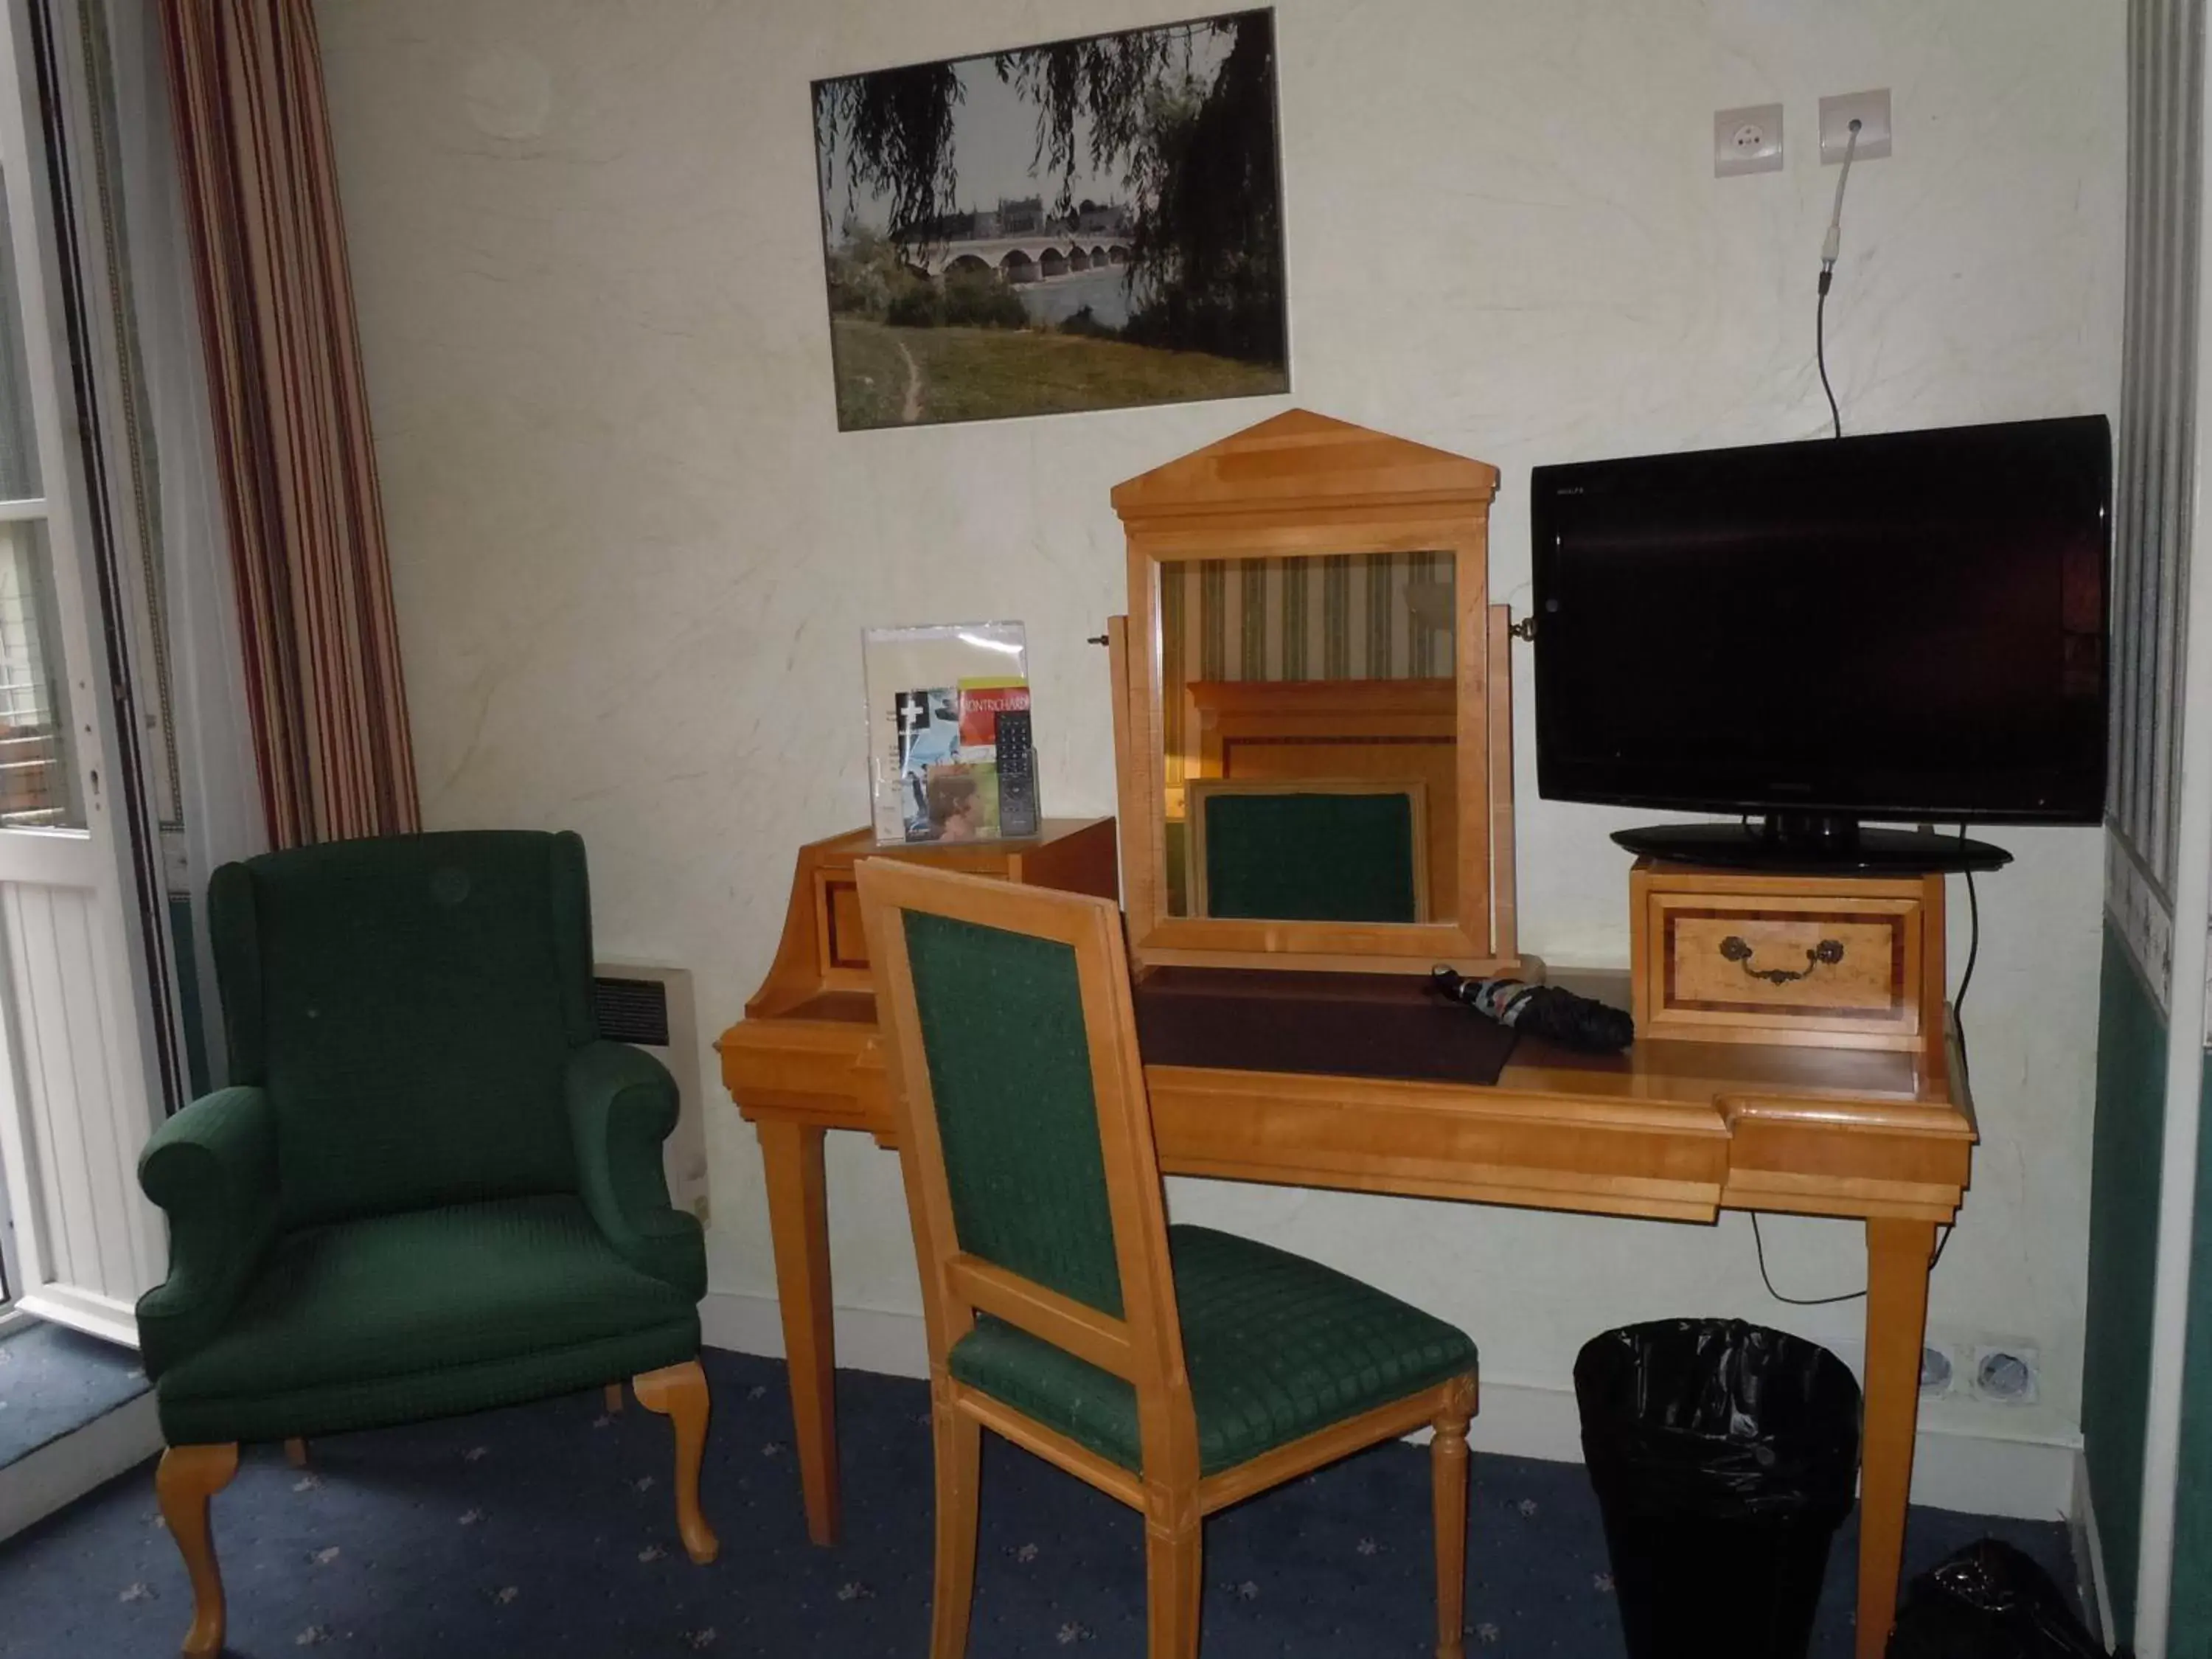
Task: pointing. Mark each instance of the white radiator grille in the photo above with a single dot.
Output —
(651, 1007)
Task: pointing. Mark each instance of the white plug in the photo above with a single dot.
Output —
(1833, 243)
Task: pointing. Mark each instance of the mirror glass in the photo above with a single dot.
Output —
(1308, 717)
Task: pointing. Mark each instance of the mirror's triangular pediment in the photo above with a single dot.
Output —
(1299, 460)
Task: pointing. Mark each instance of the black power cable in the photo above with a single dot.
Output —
(1959, 1024)
(1829, 248)
(1828, 252)
(1974, 950)
(1958, 1013)
(1820, 352)
(1758, 1243)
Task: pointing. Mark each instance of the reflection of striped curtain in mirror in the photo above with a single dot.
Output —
(1338, 617)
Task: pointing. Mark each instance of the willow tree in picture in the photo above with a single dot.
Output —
(1181, 117)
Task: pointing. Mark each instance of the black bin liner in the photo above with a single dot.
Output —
(1989, 1601)
(1725, 1456)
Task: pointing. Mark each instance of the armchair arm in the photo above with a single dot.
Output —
(212, 1168)
(622, 1105)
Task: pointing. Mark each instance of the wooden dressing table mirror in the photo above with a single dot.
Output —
(1310, 668)
(1314, 707)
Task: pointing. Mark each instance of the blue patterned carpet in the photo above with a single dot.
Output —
(549, 1530)
(53, 1381)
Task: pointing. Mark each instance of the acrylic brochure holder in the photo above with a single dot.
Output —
(949, 751)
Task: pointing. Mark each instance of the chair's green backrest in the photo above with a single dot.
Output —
(1309, 855)
(409, 1003)
(1002, 1020)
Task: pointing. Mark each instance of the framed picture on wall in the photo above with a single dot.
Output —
(1087, 224)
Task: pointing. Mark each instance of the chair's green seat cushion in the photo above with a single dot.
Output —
(1277, 1347)
(396, 1318)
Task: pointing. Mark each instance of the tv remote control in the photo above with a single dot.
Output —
(1018, 800)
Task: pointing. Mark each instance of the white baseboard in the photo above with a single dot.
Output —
(2095, 1588)
(36, 1485)
(2026, 1478)
(893, 1344)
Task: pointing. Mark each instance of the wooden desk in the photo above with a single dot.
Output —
(1678, 1131)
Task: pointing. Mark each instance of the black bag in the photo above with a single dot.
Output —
(1989, 1601)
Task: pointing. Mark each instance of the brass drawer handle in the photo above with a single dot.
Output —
(1826, 954)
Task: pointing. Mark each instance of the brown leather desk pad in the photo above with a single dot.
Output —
(1382, 1025)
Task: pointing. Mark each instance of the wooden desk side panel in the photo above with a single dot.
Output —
(829, 1072)
(1082, 861)
(1934, 969)
(818, 949)
(1784, 1162)
(796, 971)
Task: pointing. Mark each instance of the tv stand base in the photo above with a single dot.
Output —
(1789, 844)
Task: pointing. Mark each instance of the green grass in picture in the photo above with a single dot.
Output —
(888, 376)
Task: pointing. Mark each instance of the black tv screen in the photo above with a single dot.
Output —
(1906, 626)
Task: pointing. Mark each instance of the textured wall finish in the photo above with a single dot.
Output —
(633, 554)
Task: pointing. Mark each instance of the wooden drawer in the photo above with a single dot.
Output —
(825, 948)
(1837, 961)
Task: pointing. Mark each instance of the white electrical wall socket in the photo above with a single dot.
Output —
(1871, 111)
(1938, 1370)
(1747, 140)
(2006, 1373)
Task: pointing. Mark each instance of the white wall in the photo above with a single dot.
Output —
(633, 554)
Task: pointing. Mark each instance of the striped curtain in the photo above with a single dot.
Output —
(326, 698)
(1334, 616)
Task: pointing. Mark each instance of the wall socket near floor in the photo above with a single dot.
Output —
(1938, 1371)
(2006, 1373)
(1994, 1370)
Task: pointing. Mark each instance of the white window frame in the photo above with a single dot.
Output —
(87, 1242)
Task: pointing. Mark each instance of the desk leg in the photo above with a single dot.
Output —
(798, 1220)
(1896, 1325)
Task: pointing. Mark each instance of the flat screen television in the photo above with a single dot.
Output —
(1908, 626)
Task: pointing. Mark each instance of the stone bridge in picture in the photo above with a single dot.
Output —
(1017, 260)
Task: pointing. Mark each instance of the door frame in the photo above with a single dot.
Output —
(11, 1277)
(81, 293)
(115, 858)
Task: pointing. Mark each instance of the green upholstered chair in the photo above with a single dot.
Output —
(1308, 850)
(1178, 1369)
(429, 1188)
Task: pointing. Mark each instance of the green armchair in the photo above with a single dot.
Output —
(430, 1188)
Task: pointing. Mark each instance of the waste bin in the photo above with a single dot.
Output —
(1724, 1457)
